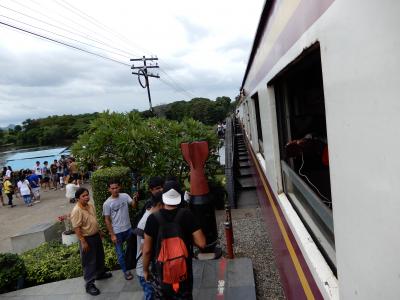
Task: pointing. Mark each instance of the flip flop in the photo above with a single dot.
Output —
(128, 276)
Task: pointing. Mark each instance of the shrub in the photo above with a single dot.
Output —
(12, 269)
(99, 182)
(110, 258)
(54, 261)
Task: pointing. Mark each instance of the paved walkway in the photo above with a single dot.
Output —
(17, 219)
(216, 279)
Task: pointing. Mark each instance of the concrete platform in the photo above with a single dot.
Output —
(222, 279)
(35, 236)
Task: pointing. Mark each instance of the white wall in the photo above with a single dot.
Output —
(360, 50)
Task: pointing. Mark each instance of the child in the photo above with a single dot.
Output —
(25, 190)
(70, 190)
(8, 190)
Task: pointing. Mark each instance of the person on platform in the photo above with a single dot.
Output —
(8, 189)
(116, 215)
(84, 222)
(71, 189)
(155, 205)
(191, 233)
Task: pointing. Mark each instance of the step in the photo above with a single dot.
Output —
(246, 172)
(243, 157)
(241, 153)
(244, 164)
(246, 182)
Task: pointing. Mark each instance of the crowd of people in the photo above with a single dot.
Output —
(26, 184)
(164, 239)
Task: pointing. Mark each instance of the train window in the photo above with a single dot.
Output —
(300, 108)
(258, 121)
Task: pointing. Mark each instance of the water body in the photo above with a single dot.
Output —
(26, 158)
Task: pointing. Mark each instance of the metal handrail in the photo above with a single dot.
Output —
(229, 160)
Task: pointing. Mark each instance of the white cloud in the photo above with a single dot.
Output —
(202, 45)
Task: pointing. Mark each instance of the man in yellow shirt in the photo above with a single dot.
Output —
(84, 222)
(8, 190)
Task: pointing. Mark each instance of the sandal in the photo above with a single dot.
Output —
(128, 276)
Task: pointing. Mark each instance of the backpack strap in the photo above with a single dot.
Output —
(179, 215)
(161, 220)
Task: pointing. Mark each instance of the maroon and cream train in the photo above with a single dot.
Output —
(324, 77)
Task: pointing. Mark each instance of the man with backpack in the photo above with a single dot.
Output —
(154, 206)
(169, 236)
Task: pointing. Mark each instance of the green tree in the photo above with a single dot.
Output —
(151, 146)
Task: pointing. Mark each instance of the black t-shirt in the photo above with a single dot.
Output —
(188, 224)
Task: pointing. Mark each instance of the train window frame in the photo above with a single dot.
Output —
(299, 98)
(256, 103)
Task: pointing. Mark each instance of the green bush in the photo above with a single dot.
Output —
(99, 182)
(12, 269)
(110, 258)
(54, 261)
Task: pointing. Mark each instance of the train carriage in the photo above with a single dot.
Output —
(319, 105)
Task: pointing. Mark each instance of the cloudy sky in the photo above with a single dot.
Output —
(202, 46)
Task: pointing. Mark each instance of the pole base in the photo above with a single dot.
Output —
(209, 255)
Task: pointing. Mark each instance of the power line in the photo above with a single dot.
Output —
(71, 46)
(63, 29)
(63, 43)
(79, 15)
(173, 84)
(66, 37)
(99, 24)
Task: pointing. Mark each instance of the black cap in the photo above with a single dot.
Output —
(172, 184)
(155, 181)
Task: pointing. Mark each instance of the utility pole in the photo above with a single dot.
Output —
(142, 71)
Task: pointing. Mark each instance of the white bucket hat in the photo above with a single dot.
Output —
(171, 197)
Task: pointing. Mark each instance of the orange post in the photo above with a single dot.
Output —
(229, 242)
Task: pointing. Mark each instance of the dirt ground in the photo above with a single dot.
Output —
(16, 219)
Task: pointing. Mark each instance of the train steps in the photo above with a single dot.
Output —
(246, 193)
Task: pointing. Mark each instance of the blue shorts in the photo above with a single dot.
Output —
(27, 199)
(148, 289)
